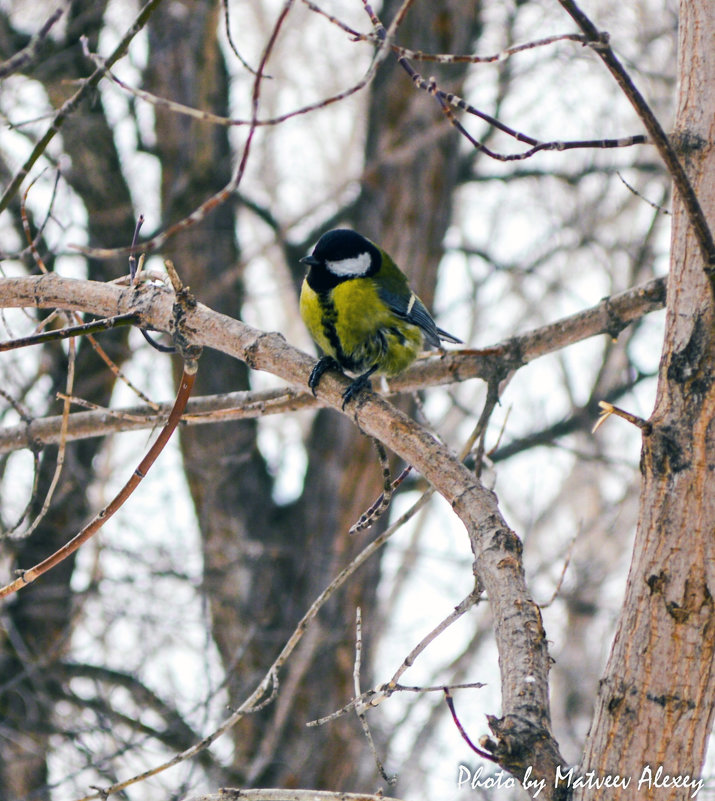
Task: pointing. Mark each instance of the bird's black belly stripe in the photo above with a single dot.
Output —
(329, 319)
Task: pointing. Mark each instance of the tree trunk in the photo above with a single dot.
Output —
(655, 702)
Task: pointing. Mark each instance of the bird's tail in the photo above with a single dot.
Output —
(448, 337)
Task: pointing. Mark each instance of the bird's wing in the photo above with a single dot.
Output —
(411, 309)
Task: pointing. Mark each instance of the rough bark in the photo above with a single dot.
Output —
(655, 701)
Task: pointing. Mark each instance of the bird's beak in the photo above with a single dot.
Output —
(311, 261)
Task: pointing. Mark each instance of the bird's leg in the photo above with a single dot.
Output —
(324, 363)
(357, 385)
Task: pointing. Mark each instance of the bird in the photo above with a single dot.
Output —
(361, 312)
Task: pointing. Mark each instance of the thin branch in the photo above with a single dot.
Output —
(562, 576)
(71, 105)
(382, 502)
(199, 411)
(460, 729)
(227, 27)
(502, 55)
(28, 576)
(449, 100)
(599, 42)
(374, 697)
(608, 409)
(635, 192)
(70, 331)
(281, 794)
(62, 445)
(356, 36)
(459, 610)
(11, 530)
(439, 688)
(28, 55)
(359, 709)
(32, 241)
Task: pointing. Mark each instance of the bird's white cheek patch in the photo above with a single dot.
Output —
(357, 265)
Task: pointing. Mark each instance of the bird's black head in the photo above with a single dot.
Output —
(339, 255)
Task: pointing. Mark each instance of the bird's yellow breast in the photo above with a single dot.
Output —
(353, 325)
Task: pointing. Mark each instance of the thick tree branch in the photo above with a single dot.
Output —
(524, 728)
(609, 316)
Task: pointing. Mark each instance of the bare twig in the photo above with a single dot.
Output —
(359, 709)
(454, 615)
(382, 502)
(376, 696)
(282, 794)
(69, 107)
(607, 409)
(199, 411)
(132, 255)
(502, 55)
(599, 42)
(10, 530)
(460, 728)
(28, 54)
(439, 688)
(635, 192)
(562, 576)
(62, 444)
(28, 576)
(356, 36)
(71, 331)
(449, 100)
(229, 37)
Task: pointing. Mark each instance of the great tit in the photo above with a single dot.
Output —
(361, 312)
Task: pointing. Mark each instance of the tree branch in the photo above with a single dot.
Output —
(607, 317)
(69, 107)
(525, 727)
(599, 43)
(280, 794)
